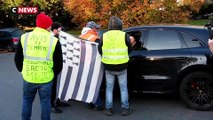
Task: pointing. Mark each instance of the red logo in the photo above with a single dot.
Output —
(25, 10)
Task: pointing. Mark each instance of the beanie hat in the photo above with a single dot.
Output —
(43, 21)
(92, 24)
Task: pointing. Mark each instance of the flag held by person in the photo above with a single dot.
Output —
(82, 71)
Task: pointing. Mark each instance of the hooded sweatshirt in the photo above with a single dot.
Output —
(115, 24)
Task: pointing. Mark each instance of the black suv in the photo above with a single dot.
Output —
(9, 38)
(173, 59)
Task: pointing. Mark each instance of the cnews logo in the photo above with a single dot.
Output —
(25, 10)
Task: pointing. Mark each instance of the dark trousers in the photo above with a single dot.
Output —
(54, 101)
(98, 101)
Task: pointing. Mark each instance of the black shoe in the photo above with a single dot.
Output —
(90, 105)
(56, 110)
(99, 108)
(108, 112)
(125, 112)
(63, 104)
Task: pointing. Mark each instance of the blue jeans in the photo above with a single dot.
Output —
(122, 80)
(29, 93)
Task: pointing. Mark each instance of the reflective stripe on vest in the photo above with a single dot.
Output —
(38, 63)
(114, 49)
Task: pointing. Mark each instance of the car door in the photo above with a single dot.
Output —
(5, 39)
(165, 55)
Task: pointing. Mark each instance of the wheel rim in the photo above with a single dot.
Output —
(199, 91)
(10, 48)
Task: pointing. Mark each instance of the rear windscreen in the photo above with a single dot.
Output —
(4, 34)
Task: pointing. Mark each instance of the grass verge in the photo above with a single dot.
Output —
(74, 32)
(198, 22)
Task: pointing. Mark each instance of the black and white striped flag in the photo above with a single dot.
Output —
(82, 71)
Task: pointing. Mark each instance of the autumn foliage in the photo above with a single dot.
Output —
(132, 12)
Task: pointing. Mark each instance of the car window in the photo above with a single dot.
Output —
(139, 38)
(4, 34)
(17, 33)
(163, 39)
(191, 41)
(101, 32)
(135, 34)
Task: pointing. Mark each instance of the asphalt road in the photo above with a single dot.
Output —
(146, 107)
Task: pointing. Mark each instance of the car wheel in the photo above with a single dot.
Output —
(10, 48)
(196, 90)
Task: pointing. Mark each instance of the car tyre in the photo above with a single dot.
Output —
(196, 90)
(10, 48)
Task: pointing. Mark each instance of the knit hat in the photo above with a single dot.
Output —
(92, 24)
(43, 21)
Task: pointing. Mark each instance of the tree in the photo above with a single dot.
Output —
(132, 12)
(54, 8)
(82, 10)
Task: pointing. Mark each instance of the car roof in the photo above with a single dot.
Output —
(199, 31)
(10, 29)
(175, 26)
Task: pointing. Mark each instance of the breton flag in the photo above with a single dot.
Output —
(82, 73)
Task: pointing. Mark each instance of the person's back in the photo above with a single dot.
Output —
(35, 58)
(36, 46)
(115, 39)
(114, 48)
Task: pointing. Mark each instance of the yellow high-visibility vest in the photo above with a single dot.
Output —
(114, 49)
(38, 48)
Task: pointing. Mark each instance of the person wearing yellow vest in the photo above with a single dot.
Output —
(38, 57)
(90, 32)
(114, 48)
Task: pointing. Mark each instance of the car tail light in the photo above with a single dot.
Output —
(15, 41)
